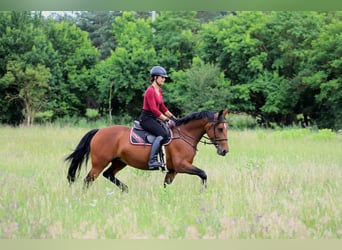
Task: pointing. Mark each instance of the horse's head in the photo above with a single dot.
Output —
(217, 132)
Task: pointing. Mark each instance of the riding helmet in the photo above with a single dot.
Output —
(158, 71)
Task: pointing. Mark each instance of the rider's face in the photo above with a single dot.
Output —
(160, 80)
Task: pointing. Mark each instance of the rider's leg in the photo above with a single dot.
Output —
(155, 127)
(153, 160)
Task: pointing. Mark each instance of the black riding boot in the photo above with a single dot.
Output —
(153, 162)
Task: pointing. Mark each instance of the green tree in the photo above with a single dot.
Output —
(22, 40)
(124, 75)
(98, 24)
(202, 87)
(30, 84)
(174, 38)
(277, 65)
(287, 37)
(323, 75)
(73, 82)
(263, 54)
(230, 42)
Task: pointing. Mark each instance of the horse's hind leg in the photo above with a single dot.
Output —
(97, 168)
(91, 176)
(110, 173)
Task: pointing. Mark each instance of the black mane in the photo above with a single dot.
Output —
(196, 116)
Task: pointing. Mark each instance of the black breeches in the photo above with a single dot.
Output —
(152, 125)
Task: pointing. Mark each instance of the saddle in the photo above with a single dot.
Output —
(139, 136)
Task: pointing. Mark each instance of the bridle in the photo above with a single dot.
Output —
(213, 141)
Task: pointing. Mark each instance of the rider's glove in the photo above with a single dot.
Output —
(174, 118)
(170, 123)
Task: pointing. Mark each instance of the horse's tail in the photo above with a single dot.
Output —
(80, 153)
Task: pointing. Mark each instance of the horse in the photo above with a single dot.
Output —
(112, 145)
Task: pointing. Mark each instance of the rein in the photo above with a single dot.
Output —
(180, 133)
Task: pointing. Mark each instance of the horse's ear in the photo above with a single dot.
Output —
(223, 113)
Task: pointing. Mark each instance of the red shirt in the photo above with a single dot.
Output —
(154, 102)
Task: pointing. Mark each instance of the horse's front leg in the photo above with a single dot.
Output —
(169, 177)
(188, 168)
(203, 177)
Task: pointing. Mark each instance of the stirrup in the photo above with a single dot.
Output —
(154, 164)
(155, 167)
(161, 167)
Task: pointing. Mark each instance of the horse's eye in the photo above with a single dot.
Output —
(220, 130)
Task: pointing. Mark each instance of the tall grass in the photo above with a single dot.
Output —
(272, 185)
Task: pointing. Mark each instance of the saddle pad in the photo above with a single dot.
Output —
(142, 137)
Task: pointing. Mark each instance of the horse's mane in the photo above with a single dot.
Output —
(196, 116)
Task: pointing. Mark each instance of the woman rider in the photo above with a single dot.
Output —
(154, 111)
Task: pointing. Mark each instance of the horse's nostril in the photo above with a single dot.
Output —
(223, 152)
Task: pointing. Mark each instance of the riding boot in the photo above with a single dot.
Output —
(153, 163)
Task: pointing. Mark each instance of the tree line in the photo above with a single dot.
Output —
(280, 67)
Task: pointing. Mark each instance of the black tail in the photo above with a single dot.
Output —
(77, 157)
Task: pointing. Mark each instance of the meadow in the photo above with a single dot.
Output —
(282, 184)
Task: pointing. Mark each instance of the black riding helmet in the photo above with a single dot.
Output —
(159, 71)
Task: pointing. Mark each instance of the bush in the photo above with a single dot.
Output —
(241, 121)
(45, 116)
(92, 114)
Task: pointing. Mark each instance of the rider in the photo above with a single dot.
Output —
(154, 112)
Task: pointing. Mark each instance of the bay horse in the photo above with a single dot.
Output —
(112, 145)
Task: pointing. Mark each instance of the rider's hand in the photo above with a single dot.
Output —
(170, 123)
(174, 118)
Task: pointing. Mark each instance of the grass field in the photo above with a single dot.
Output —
(272, 185)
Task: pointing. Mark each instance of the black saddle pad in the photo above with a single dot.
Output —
(139, 136)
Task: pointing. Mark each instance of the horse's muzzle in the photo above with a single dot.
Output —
(221, 151)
